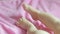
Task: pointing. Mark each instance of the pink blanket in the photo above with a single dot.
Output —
(12, 10)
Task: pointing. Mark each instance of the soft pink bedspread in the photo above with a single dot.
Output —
(12, 10)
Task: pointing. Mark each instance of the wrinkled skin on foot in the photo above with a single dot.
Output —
(31, 29)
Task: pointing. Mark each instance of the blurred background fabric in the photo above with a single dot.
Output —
(12, 10)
